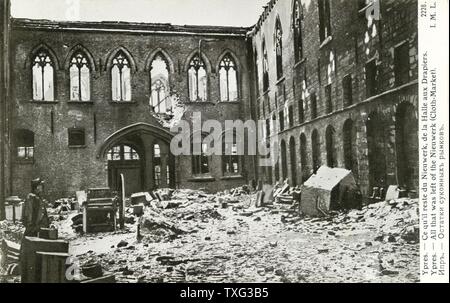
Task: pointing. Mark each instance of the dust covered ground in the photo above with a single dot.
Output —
(223, 238)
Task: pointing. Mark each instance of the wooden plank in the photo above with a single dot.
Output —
(53, 267)
(104, 279)
(11, 245)
(96, 200)
(56, 254)
(31, 271)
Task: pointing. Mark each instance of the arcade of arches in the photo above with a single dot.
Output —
(390, 150)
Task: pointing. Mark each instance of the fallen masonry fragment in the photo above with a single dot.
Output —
(328, 190)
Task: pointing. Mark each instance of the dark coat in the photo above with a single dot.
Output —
(35, 215)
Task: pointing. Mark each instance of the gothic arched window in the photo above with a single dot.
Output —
(265, 67)
(121, 78)
(43, 77)
(198, 81)
(298, 28)
(279, 48)
(228, 79)
(79, 78)
(159, 74)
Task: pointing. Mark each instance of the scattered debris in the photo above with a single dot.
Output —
(227, 237)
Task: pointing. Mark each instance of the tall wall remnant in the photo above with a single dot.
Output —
(4, 103)
(352, 82)
(90, 100)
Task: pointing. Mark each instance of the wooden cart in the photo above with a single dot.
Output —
(100, 210)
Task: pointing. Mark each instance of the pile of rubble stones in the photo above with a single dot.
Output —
(193, 236)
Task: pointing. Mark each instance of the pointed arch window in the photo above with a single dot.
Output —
(265, 67)
(198, 81)
(279, 48)
(43, 77)
(256, 62)
(121, 78)
(80, 78)
(324, 19)
(159, 74)
(228, 79)
(298, 30)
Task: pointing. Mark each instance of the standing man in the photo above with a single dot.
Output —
(35, 211)
(34, 218)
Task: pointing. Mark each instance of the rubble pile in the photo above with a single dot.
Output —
(11, 231)
(396, 219)
(193, 236)
(242, 243)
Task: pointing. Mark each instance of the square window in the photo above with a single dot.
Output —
(77, 137)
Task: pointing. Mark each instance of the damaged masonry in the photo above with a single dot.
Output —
(92, 192)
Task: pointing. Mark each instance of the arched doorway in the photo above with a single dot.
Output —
(303, 158)
(376, 151)
(331, 146)
(407, 145)
(276, 169)
(293, 158)
(315, 144)
(127, 160)
(350, 151)
(141, 152)
(284, 166)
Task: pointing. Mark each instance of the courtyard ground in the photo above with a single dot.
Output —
(199, 238)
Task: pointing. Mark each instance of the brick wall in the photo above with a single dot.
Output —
(354, 41)
(70, 169)
(379, 118)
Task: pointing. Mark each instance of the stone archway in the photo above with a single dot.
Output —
(137, 160)
(304, 158)
(284, 164)
(407, 146)
(330, 138)
(315, 146)
(350, 147)
(376, 143)
(293, 159)
(127, 158)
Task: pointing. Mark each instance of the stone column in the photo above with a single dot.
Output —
(148, 163)
(164, 163)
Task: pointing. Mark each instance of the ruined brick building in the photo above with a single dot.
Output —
(87, 101)
(340, 89)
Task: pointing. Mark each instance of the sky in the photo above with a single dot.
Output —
(180, 12)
